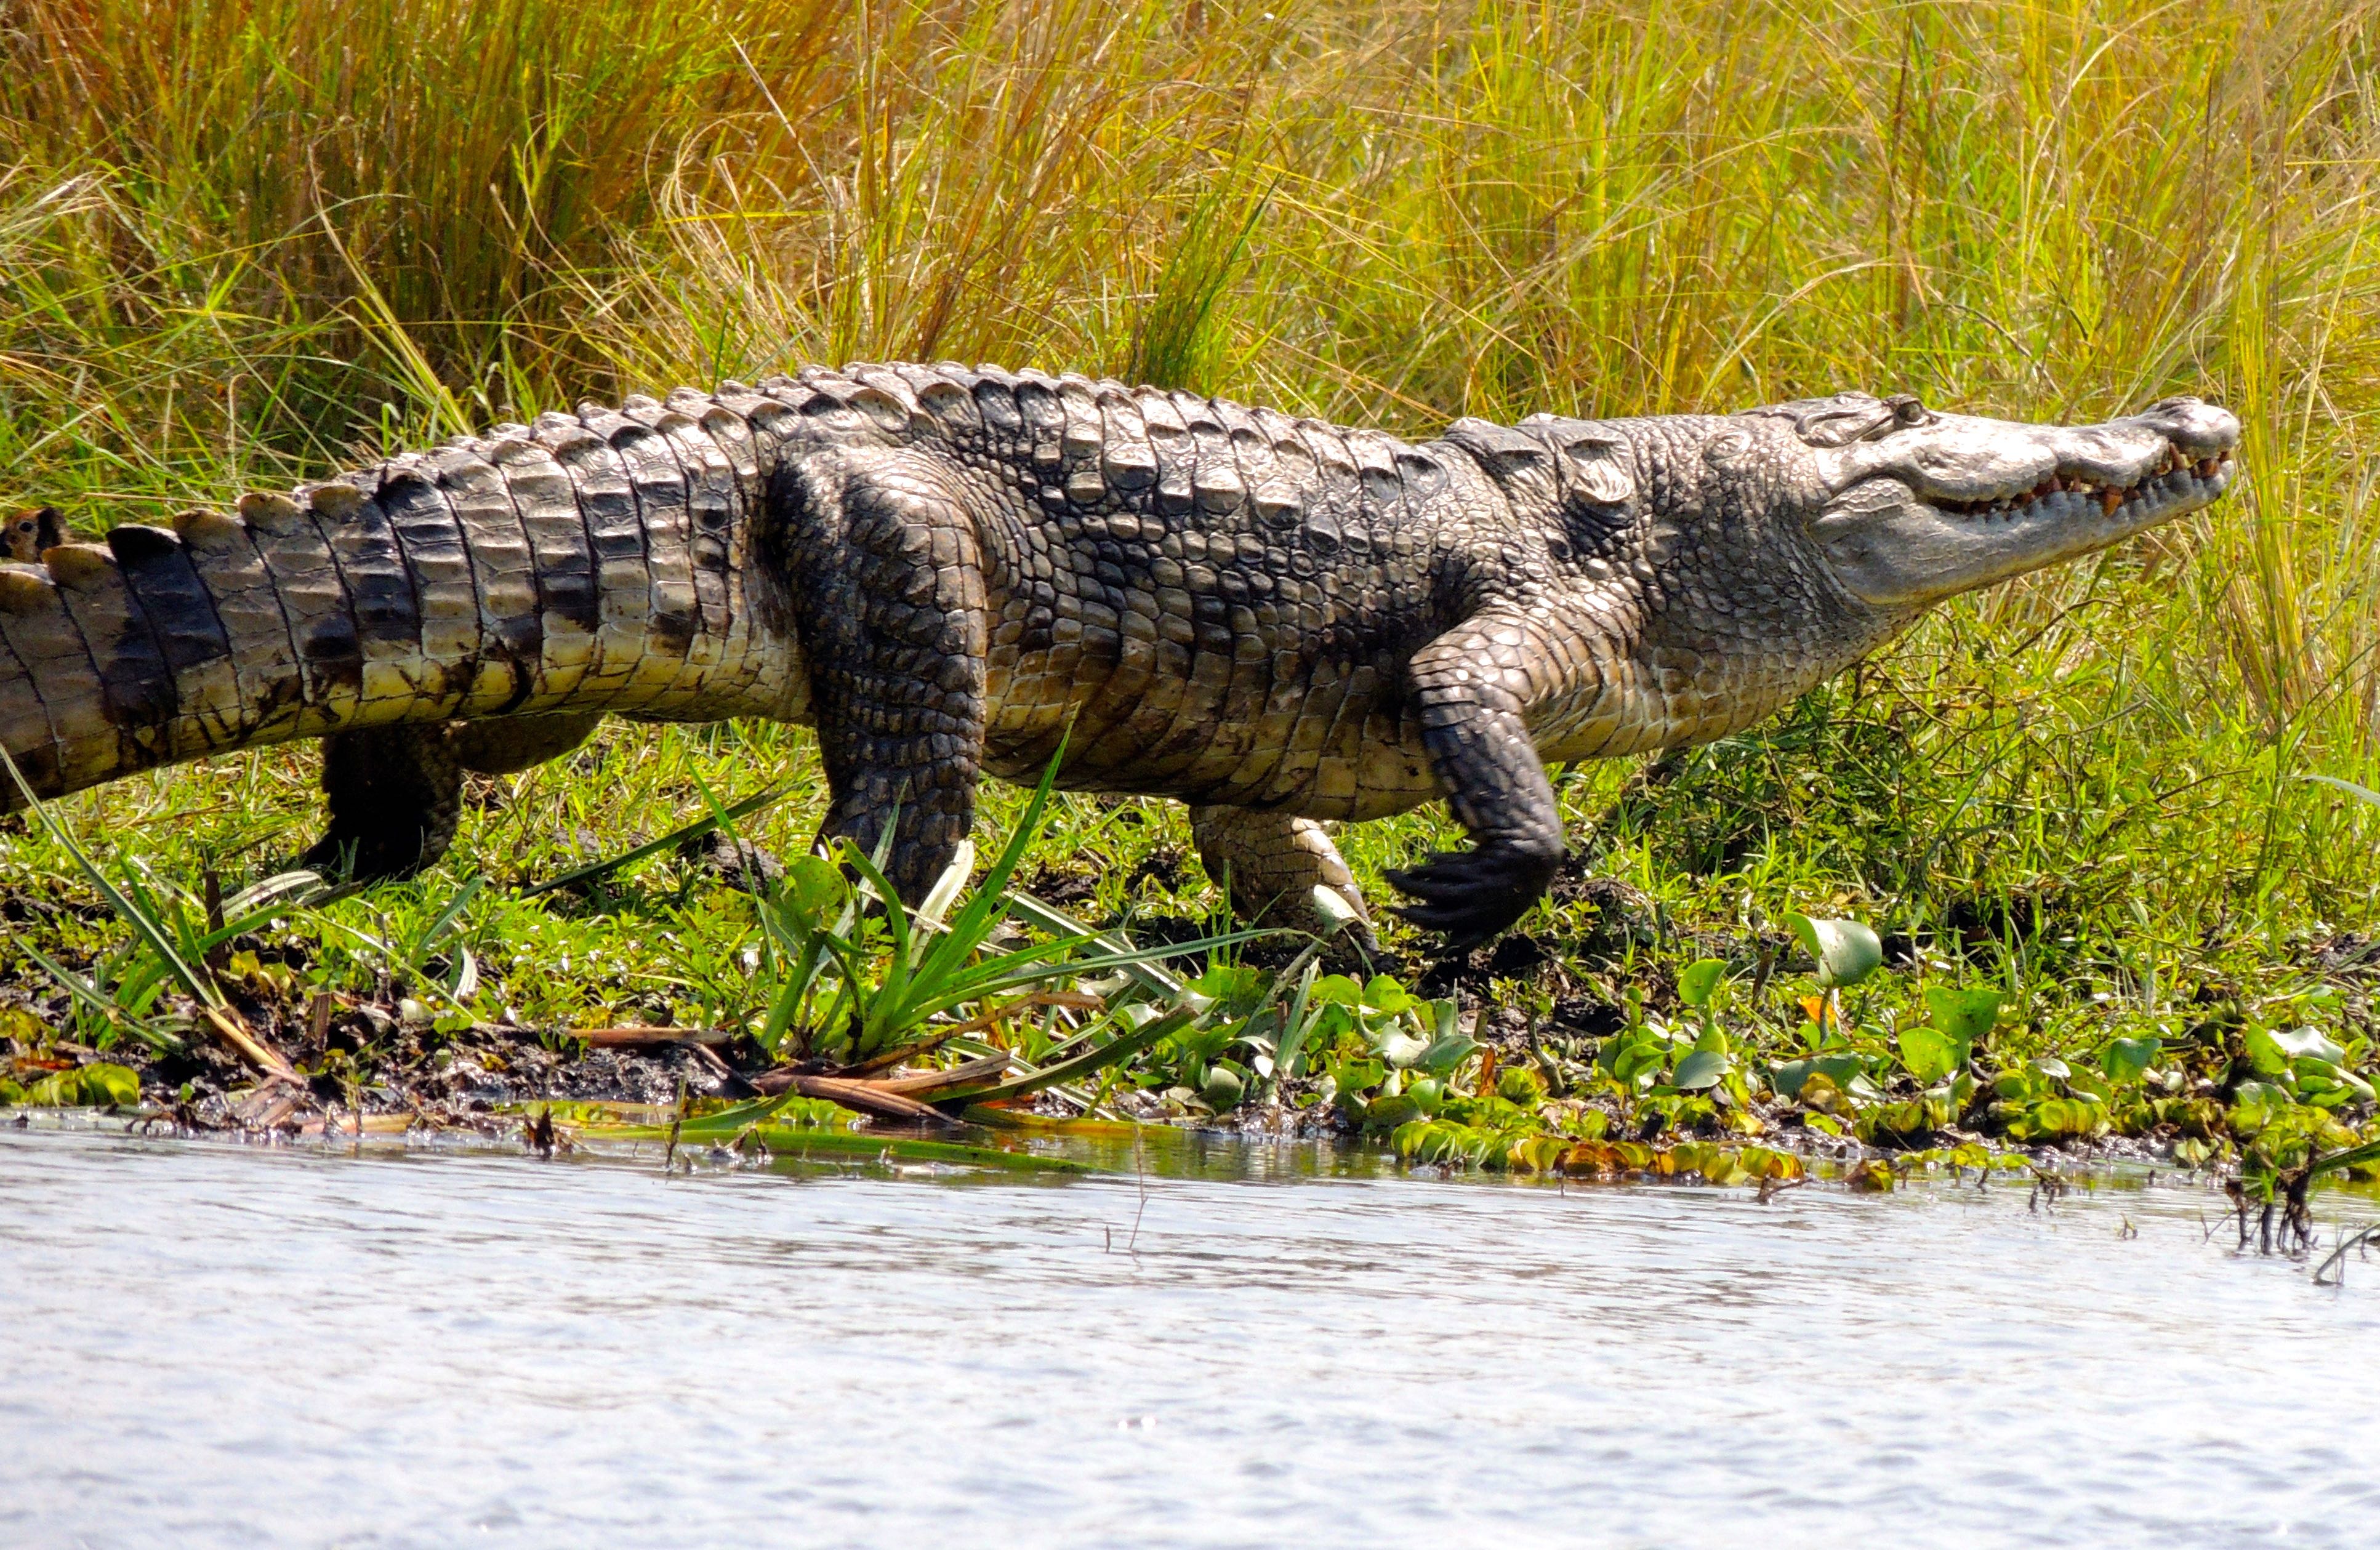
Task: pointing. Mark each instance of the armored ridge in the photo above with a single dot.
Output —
(949, 571)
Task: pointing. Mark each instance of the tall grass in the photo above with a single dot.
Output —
(240, 239)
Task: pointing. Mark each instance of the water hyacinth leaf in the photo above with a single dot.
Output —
(2299, 1044)
(1340, 990)
(2128, 1060)
(2254, 1105)
(2070, 1117)
(1629, 1058)
(1846, 951)
(2015, 1086)
(1874, 1176)
(98, 1085)
(1842, 1070)
(1904, 1122)
(2265, 1054)
(1702, 1069)
(1398, 1046)
(1355, 1077)
(1964, 1016)
(2050, 1066)
(1790, 1077)
(1699, 981)
(1445, 1054)
(2327, 1086)
(815, 888)
(1223, 1088)
(1928, 1053)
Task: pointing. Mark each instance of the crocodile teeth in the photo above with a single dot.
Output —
(2109, 498)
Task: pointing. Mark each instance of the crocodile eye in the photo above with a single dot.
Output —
(1907, 410)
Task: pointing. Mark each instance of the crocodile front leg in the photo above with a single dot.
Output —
(891, 608)
(1474, 685)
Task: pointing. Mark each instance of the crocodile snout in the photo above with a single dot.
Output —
(2195, 425)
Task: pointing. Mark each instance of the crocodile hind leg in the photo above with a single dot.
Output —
(1275, 861)
(891, 599)
(395, 793)
(511, 744)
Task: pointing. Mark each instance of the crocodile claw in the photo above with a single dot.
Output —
(1469, 896)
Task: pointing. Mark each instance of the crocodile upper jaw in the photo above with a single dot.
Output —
(1964, 503)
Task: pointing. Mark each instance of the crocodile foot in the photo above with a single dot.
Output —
(1468, 896)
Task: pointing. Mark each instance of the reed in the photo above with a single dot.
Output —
(243, 240)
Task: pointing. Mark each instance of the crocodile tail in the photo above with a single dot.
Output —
(584, 563)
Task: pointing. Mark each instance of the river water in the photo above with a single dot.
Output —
(220, 1344)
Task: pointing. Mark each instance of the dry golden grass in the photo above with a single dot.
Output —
(245, 239)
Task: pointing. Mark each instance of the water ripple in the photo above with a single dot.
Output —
(218, 1346)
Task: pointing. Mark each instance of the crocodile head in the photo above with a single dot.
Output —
(1909, 508)
(1761, 553)
(1841, 518)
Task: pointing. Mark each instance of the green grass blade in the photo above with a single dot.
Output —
(674, 838)
(1121, 1047)
(427, 942)
(147, 928)
(2349, 787)
(1050, 918)
(2354, 1156)
(99, 1001)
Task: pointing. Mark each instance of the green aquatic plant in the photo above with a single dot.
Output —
(850, 973)
(98, 1084)
(1847, 952)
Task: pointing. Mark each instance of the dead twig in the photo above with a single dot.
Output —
(2361, 1241)
(1074, 1000)
(637, 1036)
(235, 1031)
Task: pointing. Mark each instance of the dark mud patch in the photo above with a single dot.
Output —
(364, 1059)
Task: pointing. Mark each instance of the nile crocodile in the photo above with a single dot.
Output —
(947, 572)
